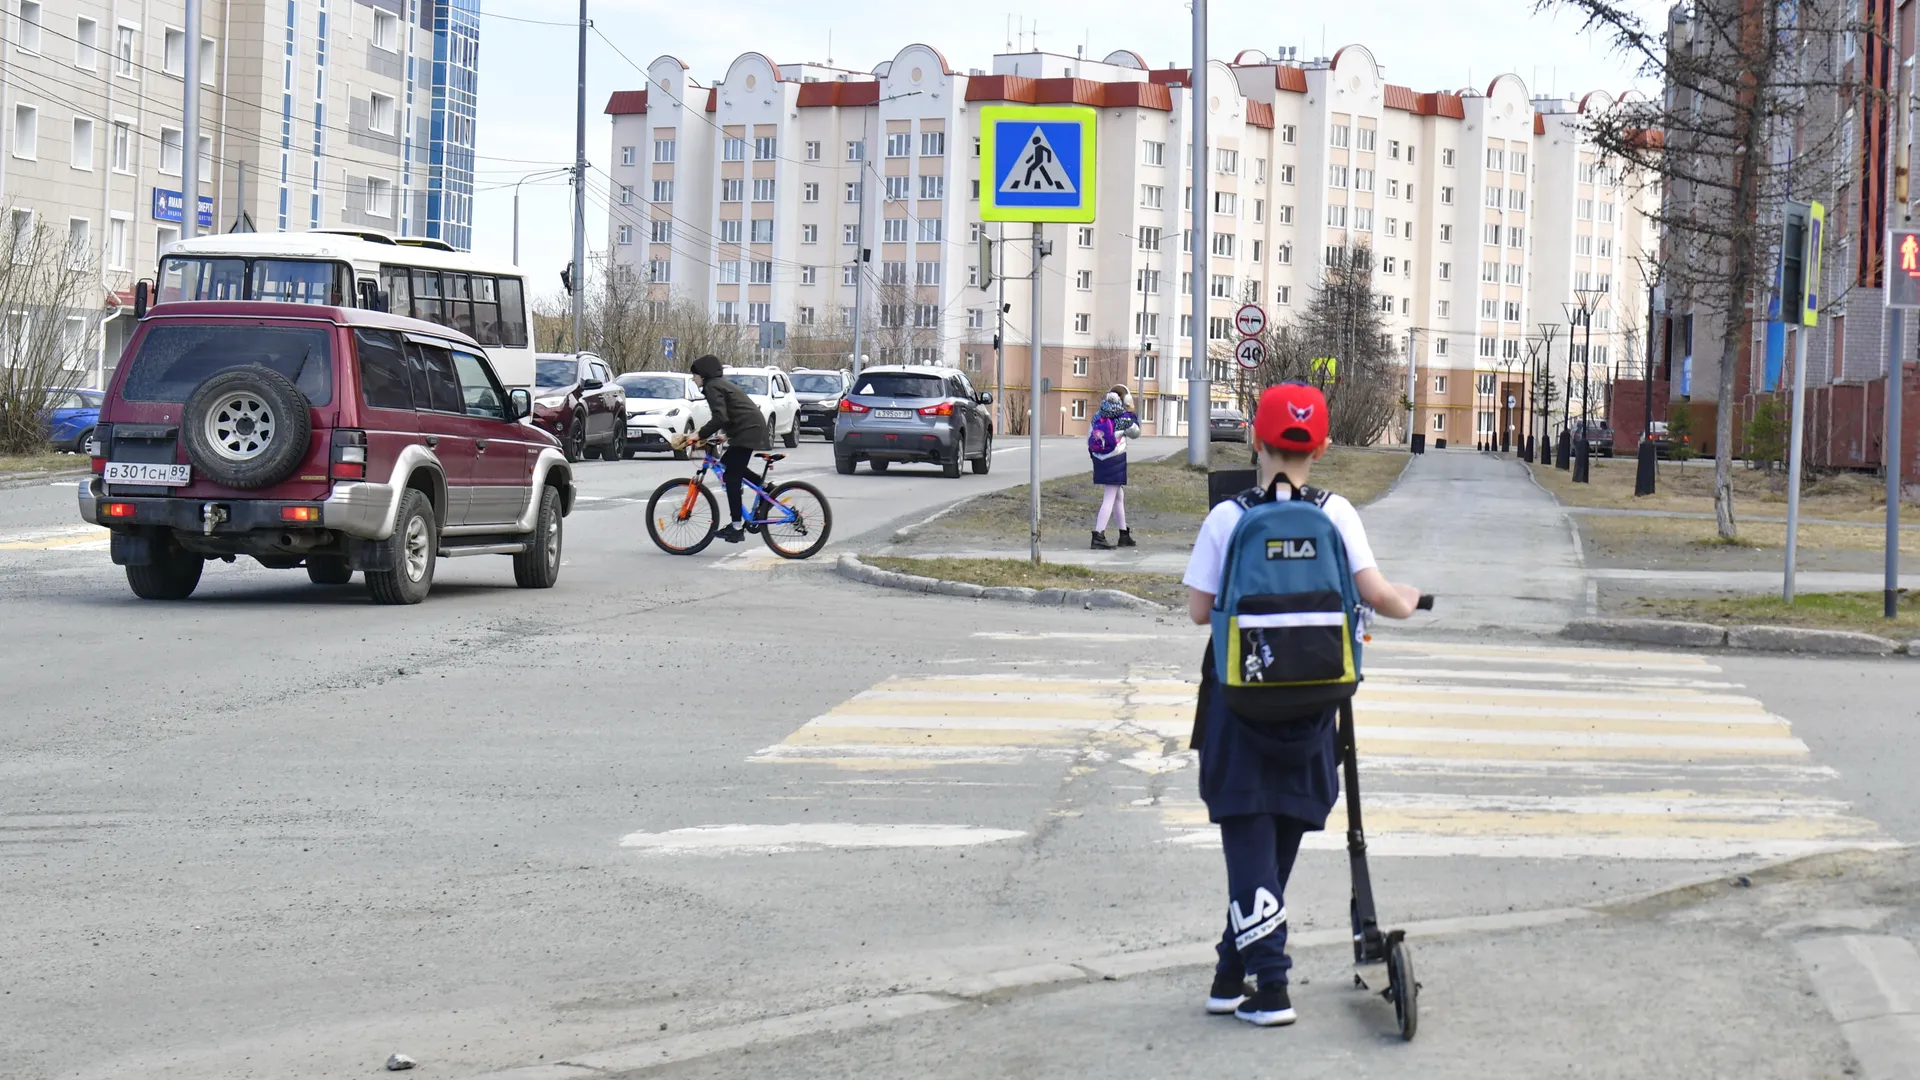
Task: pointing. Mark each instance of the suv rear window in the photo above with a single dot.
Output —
(174, 360)
(902, 386)
(817, 384)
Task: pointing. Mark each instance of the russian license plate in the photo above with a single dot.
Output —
(140, 473)
(894, 414)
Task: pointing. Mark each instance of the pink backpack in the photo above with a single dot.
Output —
(1100, 438)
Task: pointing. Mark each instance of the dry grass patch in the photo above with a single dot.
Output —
(45, 462)
(1160, 588)
(1654, 540)
(1864, 612)
(1841, 496)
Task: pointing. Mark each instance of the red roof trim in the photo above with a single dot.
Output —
(1171, 77)
(1447, 105)
(1113, 95)
(627, 103)
(713, 99)
(1539, 124)
(1260, 114)
(838, 95)
(1290, 78)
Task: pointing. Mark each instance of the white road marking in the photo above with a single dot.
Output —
(1649, 772)
(778, 839)
(1497, 737)
(1657, 848)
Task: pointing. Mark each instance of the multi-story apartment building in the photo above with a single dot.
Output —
(1306, 161)
(313, 114)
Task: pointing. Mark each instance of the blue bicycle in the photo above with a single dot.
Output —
(793, 518)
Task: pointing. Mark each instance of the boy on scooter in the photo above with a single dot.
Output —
(1268, 773)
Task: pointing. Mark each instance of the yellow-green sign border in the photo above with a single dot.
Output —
(991, 116)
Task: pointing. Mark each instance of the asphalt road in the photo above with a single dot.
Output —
(276, 831)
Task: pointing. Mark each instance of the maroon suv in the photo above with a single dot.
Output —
(338, 439)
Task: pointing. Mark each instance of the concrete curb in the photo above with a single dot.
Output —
(851, 566)
(1788, 639)
(30, 479)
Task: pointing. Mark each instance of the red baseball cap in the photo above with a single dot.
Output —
(1292, 416)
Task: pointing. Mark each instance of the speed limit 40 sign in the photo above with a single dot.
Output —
(1250, 353)
(1250, 320)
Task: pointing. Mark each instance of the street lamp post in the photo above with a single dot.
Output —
(542, 174)
(1580, 313)
(1548, 330)
(1531, 394)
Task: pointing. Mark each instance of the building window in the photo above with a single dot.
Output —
(386, 30)
(381, 114)
(926, 273)
(1079, 408)
(629, 155)
(1446, 271)
(1283, 295)
(933, 144)
(80, 151)
(1517, 162)
(1516, 199)
(1082, 323)
(852, 191)
(898, 187)
(1516, 274)
(893, 273)
(729, 272)
(1284, 254)
(812, 150)
(660, 271)
(733, 148)
(760, 272)
(1226, 162)
(26, 132)
(809, 234)
(1446, 157)
(899, 144)
(1339, 135)
(1080, 366)
(809, 275)
(1219, 328)
(730, 231)
(123, 51)
(763, 189)
(765, 148)
(1362, 219)
(762, 231)
(804, 316)
(1283, 215)
(86, 40)
(733, 190)
(1516, 236)
(933, 187)
(379, 197)
(662, 230)
(663, 152)
(1153, 153)
(1444, 309)
(625, 234)
(1146, 324)
(894, 230)
(117, 243)
(1084, 236)
(1083, 280)
(1149, 239)
(1289, 133)
(1337, 176)
(626, 194)
(727, 312)
(849, 234)
(663, 191)
(1223, 245)
(857, 150)
(926, 315)
(810, 193)
(79, 242)
(1151, 195)
(1337, 216)
(1220, 286)
(849, 274)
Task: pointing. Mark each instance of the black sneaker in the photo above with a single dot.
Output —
(732, 534)
(1268, 1007)
(1227, 993)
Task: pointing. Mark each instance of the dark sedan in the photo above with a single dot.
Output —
(1227, 425)
(575, 399)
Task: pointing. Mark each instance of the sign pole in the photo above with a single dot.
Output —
(1033, 403)
(1794, 457)
(1199, 414)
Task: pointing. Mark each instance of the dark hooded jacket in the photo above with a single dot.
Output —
(733, 411)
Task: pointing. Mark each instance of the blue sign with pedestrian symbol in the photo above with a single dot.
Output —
(1037, 163)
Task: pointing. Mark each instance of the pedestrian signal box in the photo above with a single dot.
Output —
(1903, 275)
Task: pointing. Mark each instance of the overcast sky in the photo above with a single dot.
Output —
(527, 67)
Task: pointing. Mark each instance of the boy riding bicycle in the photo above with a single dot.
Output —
(738, 418)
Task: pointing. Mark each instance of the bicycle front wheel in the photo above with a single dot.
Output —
(682, 517)
(798, 522)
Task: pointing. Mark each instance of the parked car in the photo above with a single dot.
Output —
(770, 389)
(660, 405)
(911, 413)
(1227, 425)
(70, 417)
(819, 394)
(1598, 435)
(338, 439)
(1663, 443)
(575, 400)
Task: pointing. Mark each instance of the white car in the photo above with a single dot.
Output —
(770, 389)
(660, 405)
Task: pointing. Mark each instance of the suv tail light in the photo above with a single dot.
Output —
(945, 408)
(850, 406)
(349, 454)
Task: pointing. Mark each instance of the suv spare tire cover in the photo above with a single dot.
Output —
(247, 427)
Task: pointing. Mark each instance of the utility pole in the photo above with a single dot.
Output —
(1896, 338)
(579, 277)
(1412, 388)
(190, 127)
(860, 251)
(1140, 366)
(1199, 450)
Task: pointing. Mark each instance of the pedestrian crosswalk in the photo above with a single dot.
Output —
(56, 538)
(1519, 751)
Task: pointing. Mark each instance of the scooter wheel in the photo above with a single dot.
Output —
(1403, 990)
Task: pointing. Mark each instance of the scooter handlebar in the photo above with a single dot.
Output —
(1425, 602)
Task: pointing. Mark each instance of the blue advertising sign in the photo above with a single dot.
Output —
(168, 204)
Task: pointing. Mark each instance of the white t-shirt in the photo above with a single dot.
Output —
(1209, 560)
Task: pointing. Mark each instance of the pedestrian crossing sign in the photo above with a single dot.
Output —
(1037, 163)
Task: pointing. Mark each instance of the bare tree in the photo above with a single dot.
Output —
(49, 332)
(1340, 344)
(1751, 115)
(628, 322)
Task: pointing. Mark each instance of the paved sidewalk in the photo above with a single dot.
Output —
(1478, 532)
(1755, 581)
(1692, 515)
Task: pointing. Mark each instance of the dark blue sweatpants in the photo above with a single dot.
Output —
(1260, 849)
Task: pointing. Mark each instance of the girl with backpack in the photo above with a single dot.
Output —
(1107, 438)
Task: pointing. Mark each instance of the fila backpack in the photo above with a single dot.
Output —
(1285, 624)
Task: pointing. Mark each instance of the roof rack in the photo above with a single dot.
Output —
(370, 235)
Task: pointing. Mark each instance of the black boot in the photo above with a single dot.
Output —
(1126, 538)
(1100, 541)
